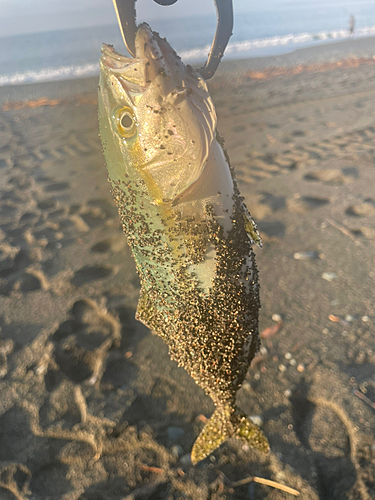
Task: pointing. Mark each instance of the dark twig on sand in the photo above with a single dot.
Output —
(365, 399)
(261, 480)
(154, 470)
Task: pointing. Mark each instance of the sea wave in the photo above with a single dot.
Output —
(234, 50)
(246, 46)
(50, 74)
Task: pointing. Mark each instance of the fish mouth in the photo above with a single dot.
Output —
(113, 60)
(154, 59)
(130, 72)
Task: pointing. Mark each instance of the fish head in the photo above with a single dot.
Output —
(159, 115)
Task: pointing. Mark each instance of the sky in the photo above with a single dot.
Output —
(29, 16)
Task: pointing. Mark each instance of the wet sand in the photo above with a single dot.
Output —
(91, 406)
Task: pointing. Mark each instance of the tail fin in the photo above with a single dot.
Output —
(225, 423)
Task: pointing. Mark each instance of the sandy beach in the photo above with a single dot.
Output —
(91, 406)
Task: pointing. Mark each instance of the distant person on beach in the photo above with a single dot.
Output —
(351, 25)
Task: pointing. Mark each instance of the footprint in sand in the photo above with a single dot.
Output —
(48, 481)
(8, 210)
(21, 181)
(29, 219)
(321, 430)
(5, 163)
(29, 283)
(302, 204)
(74, 209)
(93, 217)
(97, 212)
(271, 229)
(365, 209)
(367, 232)
(47, 204)
(90, 273)
(57, 186)
(13, 262)
(298, 133)
(274, 202)
(110, 244)
(108, 208)
(351, 172)
(333, 176)
(82, 343)
(102, 246)
(14, 433)
(314, 201)
(265, 204)
(56, 214)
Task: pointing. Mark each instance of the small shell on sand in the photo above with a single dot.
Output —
(306, 255)
(329, 276)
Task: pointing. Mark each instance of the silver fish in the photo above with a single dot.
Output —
(186, 223)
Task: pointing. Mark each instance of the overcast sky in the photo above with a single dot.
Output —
(28, 16)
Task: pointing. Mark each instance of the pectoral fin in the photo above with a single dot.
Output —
(251, 228)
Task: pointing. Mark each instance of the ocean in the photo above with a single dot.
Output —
(67, 54)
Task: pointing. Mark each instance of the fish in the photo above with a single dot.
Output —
(187, 225)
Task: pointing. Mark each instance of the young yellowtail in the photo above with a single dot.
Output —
(186, 223)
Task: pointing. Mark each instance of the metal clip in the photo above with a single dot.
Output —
(224, 28)
(126, 16)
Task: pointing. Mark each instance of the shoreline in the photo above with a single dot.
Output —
(322, 53)
(362, 48)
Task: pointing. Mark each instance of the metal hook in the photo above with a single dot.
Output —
(224, 28)
(126, 16)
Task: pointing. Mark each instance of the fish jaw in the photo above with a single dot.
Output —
(175, 120)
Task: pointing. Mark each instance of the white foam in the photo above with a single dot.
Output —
(49, 74)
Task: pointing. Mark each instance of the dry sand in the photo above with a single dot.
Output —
(91, 407)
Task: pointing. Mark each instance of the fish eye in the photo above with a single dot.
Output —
(126, 122)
